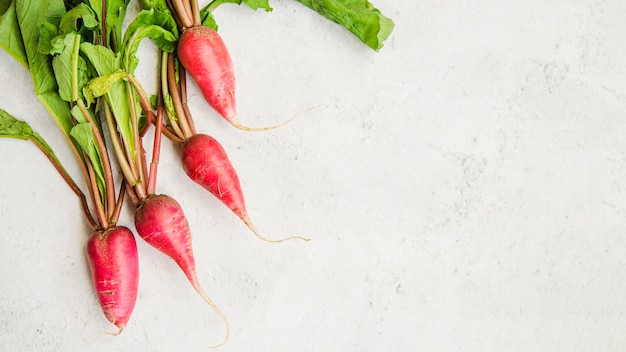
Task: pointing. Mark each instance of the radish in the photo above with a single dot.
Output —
(206, 163)
(160, 221)
(204, 55)
(112, 256)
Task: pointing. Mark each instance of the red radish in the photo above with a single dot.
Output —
(207, 164)
(204, 55)
(112, 256)
(160, 221)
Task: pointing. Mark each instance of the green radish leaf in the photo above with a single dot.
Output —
(77, 114)
(258, 4)
(105, 63)
(99, 86)
(28, 14)
(69, 68)
(159, 26)
(83, 135)
(169, 106)
(48, 32)
(10, 35)
(84, 13)
(10, 127)
(207, 18)
(253, 4)
(101, 58)
(115, 11)
(96, 6)
(358, 16)
(153, 4)
(62, 65)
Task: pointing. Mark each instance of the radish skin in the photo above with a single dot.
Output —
(113, 260)
(204, 55)
(160, 221)
(206, 163)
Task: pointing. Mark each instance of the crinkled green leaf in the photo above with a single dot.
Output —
(358, 16)
(10, 36)
(84, 13)
(62, 66)
(159, 26)
(99, 86)
(69, 68)
(169, 106)
(106, 62)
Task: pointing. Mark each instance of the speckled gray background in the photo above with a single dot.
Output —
(465, 188)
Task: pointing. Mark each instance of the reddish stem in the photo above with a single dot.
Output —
(118, 205)
(106, 163)
(176, 100)
(183, 95)
(95, 196)
(195, 13)
(70, 182)
(183, 15)
(171, 135)
(156, 151)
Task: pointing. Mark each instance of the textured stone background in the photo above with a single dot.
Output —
(465, 188)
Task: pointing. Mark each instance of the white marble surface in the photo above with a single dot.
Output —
(465, 188)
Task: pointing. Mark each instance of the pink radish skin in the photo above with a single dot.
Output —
(203, 54)
(112, 256)
(160, 221)
(206, 163)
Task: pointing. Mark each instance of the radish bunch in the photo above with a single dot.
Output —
(82, 64)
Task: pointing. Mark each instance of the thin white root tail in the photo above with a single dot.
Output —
(238, 124)
(251, 226)
(114, 333)
(217, 311)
